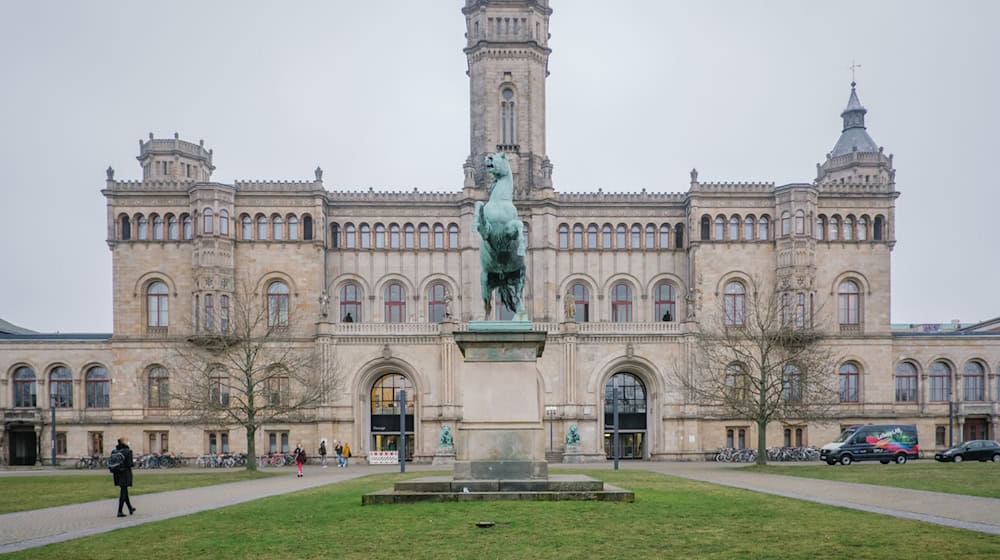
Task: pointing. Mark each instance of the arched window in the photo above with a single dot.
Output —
(408, 236)
(563, 236)
(436, 302)
(307, 227)
(277, 228)
(453, 236)
(736, 383)
(508, 127)
(621, 303)
(734, 228)
(786, 224)
(940, 380)
(581, 295)
(664, 306)
(720, 228)
(157, 228)
(733, 303)
(126, 228)
(626, 394)
(187, 227)
(395, 303)
(261, 227)
(791, 383)
(620, 234)
(60, 387)
(606, 237)
(820, 227)
(651, 236)
(350, 303)
(385, 408)
(438, 236)
(366, 236)
(335, 236)
(763, 227)
(906, 382)
(849, 382)
(209, 312)
(849, 228)
(277, 304)
(98, 387)
(877, 230)
(25, 386)
(394, 236)
(862, 229)
(679, 236)
(592, 236)
(224, 222)
(157, 305)
(578, 236)
(379, 236)
(246, 228)
(208, 218)
(800, 222)
(665, 236)
(224, 313)
(973, 382)
(834, 228)
(159, 388)
(800, 310)
(706, 228)
(293, 228)
(350, 236)
(425, 239)
(635, 240)
(142, 228)
(849, 303)
(748, 228)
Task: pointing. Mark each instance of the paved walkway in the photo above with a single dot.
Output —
(29, 529)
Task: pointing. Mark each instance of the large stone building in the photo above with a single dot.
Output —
(645, 270)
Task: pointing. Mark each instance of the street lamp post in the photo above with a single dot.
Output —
(550, 412)
(52, 405)
(614, 438)
(402, 431)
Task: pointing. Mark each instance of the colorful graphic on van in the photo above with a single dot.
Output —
(895, 441)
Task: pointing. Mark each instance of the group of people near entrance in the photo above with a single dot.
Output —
(340, 448)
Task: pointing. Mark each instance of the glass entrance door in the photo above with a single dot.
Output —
(390, 442)
(975, 428)
(631, 445)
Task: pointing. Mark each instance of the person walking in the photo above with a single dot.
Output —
(121, 469)
(339, 450)
(322, 452)
(346, 452)
(300, 458)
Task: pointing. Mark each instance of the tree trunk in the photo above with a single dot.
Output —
(761, 442)
(251, 447)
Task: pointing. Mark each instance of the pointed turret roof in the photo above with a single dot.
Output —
(854, 136)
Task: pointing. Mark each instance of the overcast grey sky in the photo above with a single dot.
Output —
(375, 92)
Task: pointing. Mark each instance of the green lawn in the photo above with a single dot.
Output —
(671, 518)
(22, 493)
(970, 478)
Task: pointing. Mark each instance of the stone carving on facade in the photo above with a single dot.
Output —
(445, 439)
(386, 352)
(569, 306)
(447, 307)
(324, 304)
(694, 175)
(319, 173)
(111, 173)
(573, 436)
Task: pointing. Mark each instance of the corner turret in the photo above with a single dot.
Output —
(855, 158)
(174, 160)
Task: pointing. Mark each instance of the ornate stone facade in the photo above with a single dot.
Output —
(400, 274)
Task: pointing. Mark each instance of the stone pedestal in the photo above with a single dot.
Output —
(444, 456)
(501, 436)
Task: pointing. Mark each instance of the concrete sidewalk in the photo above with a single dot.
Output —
(29, 529)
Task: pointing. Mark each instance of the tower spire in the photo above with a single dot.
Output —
(854, 137)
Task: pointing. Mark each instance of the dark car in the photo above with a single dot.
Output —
(972, 450)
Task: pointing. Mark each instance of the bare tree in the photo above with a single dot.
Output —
(761, 360)
(248, 369)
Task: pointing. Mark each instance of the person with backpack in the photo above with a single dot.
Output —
(339, 450)
(300, 458)
(120, 465)
(322, 452)
(346, 452)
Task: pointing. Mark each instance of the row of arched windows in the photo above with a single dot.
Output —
(393, 236)
(849, 228)
(940, 375)
(171, 227)
(736, 228)
(796, 307)
(97, 387)
(751, 228)
(622, 236)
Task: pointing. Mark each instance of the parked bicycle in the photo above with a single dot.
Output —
(734, 455)
(222, 461)
(276, 460)
(92, 462)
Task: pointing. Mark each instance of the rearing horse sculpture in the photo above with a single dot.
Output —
(502, 250)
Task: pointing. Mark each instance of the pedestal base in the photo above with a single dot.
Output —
(501, 470)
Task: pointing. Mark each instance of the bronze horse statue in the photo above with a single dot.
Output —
(503, 248)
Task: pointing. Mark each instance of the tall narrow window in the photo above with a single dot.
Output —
(159, 388)
(563, 236)
(791, 383)
(621, 303)
(187, 227)
(720, 228)
(665, 236)
(246, 228)
(748, 228)
(620, 237)
(453, 236)
(350, 303)
(679, 236)
(848, 228)
(425, 239)
(664, 307)
(277, 228)
(849, 303)
(578, 236)
(142, 228)
(862, 229)
(763, 227)
(706, 228)
(408, 236)
(940, 380)
(733, 303)
(736, 383)
(786, 224)
(61, 387)
(607, 238)
(394, 236)
(635, 237)
(734, 228)
(800, 222)
(350, 236)
(651, 236)
(293, 228)
(395, 303)
(209, 312)
(379, 236)
(834, 228)
(307, 227)
(508, 119)
(157, 228)
(877, 233)
(592, 236)
(126, 228)
(820, 228)
(438, 236)
(157, 305)
(974, 382)
(800, 310)
(261, 227)
(436, 303)
(25, 387)
(849, 382)
(335, 236)
(224, 222)
(581, 295)
(277, 304)
(224, 314)
(906, 382)
(208, 218)
(98, 389)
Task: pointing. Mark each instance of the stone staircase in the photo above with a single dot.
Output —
(554, 457)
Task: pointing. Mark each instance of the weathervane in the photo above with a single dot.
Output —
(854, 67)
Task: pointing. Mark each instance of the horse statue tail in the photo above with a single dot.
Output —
(508, 296)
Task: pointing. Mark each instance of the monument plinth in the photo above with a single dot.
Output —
(502, 433)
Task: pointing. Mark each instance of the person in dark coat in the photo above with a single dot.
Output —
(123, 478)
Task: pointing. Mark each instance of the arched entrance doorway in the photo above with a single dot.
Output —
(385, 407)
(631, 395)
